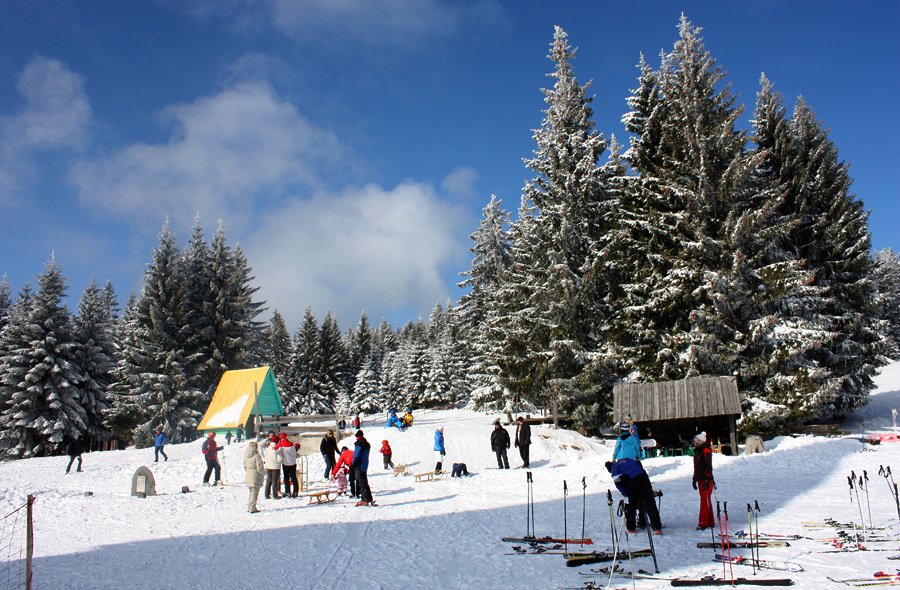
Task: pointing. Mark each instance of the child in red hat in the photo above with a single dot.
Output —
(386, 451)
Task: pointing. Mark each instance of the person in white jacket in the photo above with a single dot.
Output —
(256, 470)
(289, 465)
(273, 460)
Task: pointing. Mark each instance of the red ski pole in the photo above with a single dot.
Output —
(730, 567)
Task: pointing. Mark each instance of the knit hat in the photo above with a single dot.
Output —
(624, 426)
(700, 439)
(359, 433)
(282, 435)
(497, 422)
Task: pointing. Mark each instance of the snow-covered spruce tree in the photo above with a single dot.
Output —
(236, 334)
(300, 382)
(390, 386)
(674, 315)
(153, 387)
(832, 236)
(41, 375)
(886, 276)
(111, 302)
(196, 271)
(358, 345)
(15, 340)
(367, 397)
(331, 377)
(5, 301)
(96, 352)
(549, 317)
(415, 360)
(278, 348)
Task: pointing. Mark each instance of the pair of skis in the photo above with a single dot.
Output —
(710, 580)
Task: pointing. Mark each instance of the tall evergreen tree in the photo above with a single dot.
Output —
(5, 301)
(886, 276)
(96, 353)
(153, 388)
(331, 378)
(40, 374)
(278, 348)
(301, 385)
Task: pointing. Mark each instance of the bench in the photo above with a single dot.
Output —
(429, 475)
(321, 497)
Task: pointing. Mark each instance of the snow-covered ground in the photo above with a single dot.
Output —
(443, 534)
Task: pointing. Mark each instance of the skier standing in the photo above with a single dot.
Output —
(439, 449)
(703, 480)
(360, 467)
(211, 450)
(159, 445)
(499, 444)
(523, 440)
(255, 471)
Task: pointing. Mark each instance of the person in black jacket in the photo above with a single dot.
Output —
(523, 440)
(73, 450)
(499, 444)
(328, 448)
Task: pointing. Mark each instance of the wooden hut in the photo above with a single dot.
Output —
(672, 411)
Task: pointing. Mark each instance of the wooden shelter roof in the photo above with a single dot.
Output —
(672, 400)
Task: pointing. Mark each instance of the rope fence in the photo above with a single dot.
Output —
(17, 547)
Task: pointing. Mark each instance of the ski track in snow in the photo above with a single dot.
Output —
(441, 534)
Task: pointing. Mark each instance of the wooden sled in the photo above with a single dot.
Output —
(321, 497)
(430, 475)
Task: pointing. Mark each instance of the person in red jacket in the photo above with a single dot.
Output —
(346, 458)
(703, 480)
(387, 452)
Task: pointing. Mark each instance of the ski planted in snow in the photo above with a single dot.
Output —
(786, 566)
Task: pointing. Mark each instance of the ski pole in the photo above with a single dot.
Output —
(850, 482)
(649, 534)
(529, 509)
(866, 489)
(750, 528)
(612, 526)
(722, 538)
(616, 545)
(583, 507)
(892, 488)
(565, 523)
(756, 518)
(730, 566)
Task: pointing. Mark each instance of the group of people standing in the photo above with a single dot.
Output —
(634, 483)
(500, 443)
(353, 466)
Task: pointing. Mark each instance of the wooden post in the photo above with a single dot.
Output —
(554, 405)
(732, 431)
(29, 541)
(255, 412)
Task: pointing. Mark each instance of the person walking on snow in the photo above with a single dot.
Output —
(634, 483)
(523, 440)
(360, 467)
(289, 465)
(628, 445)
(73, 450)
(328, 448)
(703, 480)
(240, 432)
(255, 471)
(159, 445)
(272, 461)
(211, 450)
(228, 437)
(439, 449)
(387, 452)
(499, 444)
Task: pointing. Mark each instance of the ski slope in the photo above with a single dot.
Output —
(441, 534)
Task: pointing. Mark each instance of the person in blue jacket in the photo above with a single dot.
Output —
(634, 483)
(439, 449)
(628, 445)
(360, 468)
(159, 445)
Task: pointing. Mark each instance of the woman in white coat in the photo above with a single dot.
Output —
(253, 465)
(273, 461)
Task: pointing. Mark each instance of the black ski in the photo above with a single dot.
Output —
(742, 544)
(550, 540)
(684, 582)
(577, 559)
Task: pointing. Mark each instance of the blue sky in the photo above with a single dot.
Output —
(349, 146)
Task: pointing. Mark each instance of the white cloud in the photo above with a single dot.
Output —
(460, 182)
(383, 251)
(229, 154)
(55, 115)
(392, 22)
